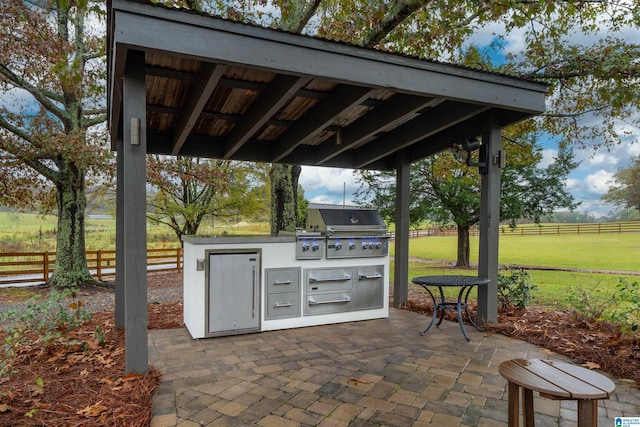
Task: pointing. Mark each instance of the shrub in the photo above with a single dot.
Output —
(590, 305)
(515, 288)
(626, 312)
(621, 309)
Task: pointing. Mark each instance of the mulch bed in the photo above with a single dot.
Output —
(84, 384)
(595, 345)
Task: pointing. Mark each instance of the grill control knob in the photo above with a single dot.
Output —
(338, 245)
(378, 244)
(315, 246)
(305, 245)
(352, 244)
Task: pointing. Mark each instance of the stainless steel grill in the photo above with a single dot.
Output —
(343, 233)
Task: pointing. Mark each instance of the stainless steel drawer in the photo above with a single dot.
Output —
(281, 280)
(280, 306)
(328, 303)
(369, 287)
(328, 280)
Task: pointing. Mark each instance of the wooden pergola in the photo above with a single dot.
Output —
(189, 84)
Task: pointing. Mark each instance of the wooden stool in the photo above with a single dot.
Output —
(554, 380)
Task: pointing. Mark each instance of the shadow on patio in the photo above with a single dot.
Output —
(369, 373)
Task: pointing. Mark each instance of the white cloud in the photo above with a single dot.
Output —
(16, 100)
(598, 182)
(328, 185)
(573, 184)
(548, 156)
(333, 180)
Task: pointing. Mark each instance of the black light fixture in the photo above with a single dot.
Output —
(470, 145)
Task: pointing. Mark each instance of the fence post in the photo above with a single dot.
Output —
(99, 264)
(45, 257)
(178, 259)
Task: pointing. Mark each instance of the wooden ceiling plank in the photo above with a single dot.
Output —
(277, 95)
(199, 94)
(341, 100)
(444, 116)
(380, 119)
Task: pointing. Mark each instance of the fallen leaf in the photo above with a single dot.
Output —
(37, 391)
(590, 365)
(131, 377)
(547, 351)
(4, 407)
(92, 410)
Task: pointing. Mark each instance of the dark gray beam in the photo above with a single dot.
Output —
(437, 119)
(403, 199)
(199, 94)
(324, 114)
(395, 110)
(134, 243)
(489, 224)
(276, 96)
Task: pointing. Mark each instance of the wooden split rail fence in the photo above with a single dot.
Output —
(36, 267)
(533, 230)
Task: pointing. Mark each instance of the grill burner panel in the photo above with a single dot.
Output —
(349, 233)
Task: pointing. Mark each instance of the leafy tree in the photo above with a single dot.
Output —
(626, 189)
(446, 190)
(52, 77)
(190, 189)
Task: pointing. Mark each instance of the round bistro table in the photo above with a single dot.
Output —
(465, 283)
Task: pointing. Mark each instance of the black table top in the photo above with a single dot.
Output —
(450, 280)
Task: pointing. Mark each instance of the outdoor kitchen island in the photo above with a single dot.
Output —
(336, 271)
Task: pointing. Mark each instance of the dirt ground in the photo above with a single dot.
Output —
(83, 384)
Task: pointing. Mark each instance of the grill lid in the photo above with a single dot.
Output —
(346, 221)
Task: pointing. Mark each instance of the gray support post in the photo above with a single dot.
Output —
(489, 226)
(119, 294)
(401, 273)
(135, 231)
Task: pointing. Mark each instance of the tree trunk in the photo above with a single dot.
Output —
(71, 259)
(283, 200)
(463, 246)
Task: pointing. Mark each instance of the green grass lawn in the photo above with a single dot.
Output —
(593, 252)
(588, 251)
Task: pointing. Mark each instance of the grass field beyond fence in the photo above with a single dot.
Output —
(599, 252)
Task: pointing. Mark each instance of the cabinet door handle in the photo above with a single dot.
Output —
(330, 279)
(253, 301)
(283, 282)
(346, 298)
(373, 276)
(286, 304)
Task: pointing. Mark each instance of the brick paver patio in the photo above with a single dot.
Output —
(370, 373)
